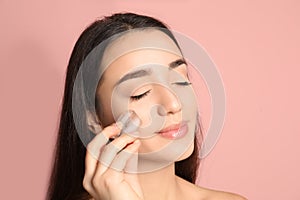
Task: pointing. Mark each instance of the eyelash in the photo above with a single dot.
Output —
(138, 97)
(185, 83)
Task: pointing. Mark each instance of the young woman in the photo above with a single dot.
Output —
(128, 128)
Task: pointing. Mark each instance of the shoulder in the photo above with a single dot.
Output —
(199, 193)
(221, 195)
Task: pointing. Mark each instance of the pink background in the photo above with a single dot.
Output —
(255, 45)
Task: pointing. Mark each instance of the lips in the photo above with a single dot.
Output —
(174, 131)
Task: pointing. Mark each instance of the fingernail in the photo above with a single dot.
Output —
(137, 142)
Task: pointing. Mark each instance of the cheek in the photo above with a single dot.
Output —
(188, 100)
(105, 115)
(147, 108)
(104, 111)
(187, 153)
(143, 110)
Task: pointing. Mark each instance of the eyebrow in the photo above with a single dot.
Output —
(147, 72)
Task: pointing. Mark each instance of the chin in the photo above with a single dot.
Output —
(187, 153)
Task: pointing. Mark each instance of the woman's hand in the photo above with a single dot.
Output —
(103, 177)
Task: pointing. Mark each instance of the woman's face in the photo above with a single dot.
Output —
(153, 82)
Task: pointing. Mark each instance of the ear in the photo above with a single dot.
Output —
(93, 122)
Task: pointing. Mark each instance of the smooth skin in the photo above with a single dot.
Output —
(105, 183)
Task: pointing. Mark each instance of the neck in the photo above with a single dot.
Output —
(160, 184)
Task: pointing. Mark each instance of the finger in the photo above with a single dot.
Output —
(95, 147)
(120, 162)
(110, 151)
(128, 122)
(93, 152)
(132, 124)
(101, 139)
(127, 157)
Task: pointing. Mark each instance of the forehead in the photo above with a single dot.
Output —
(136, 60)
(134, 49)
(135, 41)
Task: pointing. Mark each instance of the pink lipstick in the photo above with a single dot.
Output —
(174, 131)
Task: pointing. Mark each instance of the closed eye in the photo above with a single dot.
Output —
(140, 96)
(185, 83)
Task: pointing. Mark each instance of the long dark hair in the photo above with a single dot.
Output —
(69, 156)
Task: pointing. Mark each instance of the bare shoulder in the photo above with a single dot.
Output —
(221, 195)
(193, 191)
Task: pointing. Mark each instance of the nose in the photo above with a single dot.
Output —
(169, 101)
